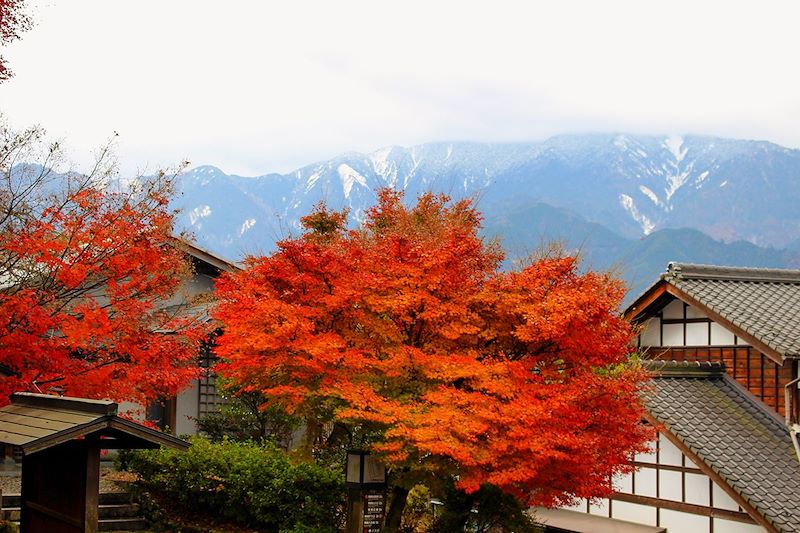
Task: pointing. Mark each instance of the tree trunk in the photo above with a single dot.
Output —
(395, 512)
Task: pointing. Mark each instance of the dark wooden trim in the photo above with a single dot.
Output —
(744, 504)
(716, 317)
(683, 507)
(686, 320)
(33, 506)
(671, 468)
(80, 405)
(637, 309)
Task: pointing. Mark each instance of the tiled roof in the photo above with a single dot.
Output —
(765, 303)
(733, 433)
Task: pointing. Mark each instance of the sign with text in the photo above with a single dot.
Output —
(374, 509)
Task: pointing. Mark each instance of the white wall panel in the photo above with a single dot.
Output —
(729, 526)
(722, 500)
(694, 312)
(697, 489)
(579, 505)
(132, 410)
(651, 335)
(672, 335)
(674, 309)
(634, 512)
(678, 522)
(720, 336)
(644, 482)
(668, 453)
(697, 334)
(669, 485)
(599, 507)
(623, 483)
(647, 457)
(186, 411)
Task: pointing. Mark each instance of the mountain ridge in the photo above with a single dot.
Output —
(633, 185)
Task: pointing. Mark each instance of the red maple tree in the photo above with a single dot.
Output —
(13, 21)
(408, 326)
(89, 284)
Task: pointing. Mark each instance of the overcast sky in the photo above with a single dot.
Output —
(261, 86)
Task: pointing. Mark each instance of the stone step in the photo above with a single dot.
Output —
(122, 524)
(106, 498)
(124, 510)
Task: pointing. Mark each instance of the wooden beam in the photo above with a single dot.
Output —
(637, 309)
(690, 508)
(716, 317)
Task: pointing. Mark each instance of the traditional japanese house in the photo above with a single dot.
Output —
(722, 344)
(179, 414)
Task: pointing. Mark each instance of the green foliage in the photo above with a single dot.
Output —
(8, 527)
(246, 416)
(488, 509)
(252, 484)
(417, 515)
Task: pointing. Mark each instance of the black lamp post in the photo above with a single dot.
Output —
(365, 477)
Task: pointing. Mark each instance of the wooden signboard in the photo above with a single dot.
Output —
(374, 510)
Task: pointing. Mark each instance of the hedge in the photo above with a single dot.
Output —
(253, 484)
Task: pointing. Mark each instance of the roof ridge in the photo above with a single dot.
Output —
(685, 369)
(732, 273)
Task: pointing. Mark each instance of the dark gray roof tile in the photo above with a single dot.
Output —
(763, 302)
(733, 433)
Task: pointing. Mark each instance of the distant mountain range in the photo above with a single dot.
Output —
(625, 201)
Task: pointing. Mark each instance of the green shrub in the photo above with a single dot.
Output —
(254, 485)
(8, 527)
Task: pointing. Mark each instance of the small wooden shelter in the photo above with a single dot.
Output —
(61, 439)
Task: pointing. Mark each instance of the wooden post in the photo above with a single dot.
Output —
(355, 511)
(92, 485)
(52, 501)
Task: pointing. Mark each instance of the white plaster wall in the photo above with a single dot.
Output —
(579, 505)
(697, 334)
(133, 410)
(669, 485)
(634, 512)
(674, 309)
(672, 335)
(651, 335)
(668, 453)
(623, 483)
(722, 500)
(186, 410)
(599, 507)
(720, 335)
(693, 312)
(644, 483)
(678, 522)
(647, 457)
(697, 489)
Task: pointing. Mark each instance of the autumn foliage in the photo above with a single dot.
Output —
(407, 325)
(13, 21)
(89, 286)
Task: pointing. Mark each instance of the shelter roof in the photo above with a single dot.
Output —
(220, 263)
(36, 422)
(760, 305)
(729, 430)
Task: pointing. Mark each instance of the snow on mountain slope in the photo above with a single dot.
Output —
(634, 185)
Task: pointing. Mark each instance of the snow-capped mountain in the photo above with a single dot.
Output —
(633, 185)
(617, 199)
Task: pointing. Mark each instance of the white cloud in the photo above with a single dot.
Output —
(254, 87)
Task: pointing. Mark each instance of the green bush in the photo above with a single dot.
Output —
(8, 527)
(254, 485)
